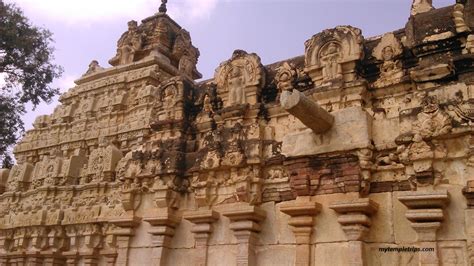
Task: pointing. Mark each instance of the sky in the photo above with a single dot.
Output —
(84, 30)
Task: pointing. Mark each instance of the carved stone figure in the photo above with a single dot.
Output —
(93, 68)
(20, 177)
(102, 163)
(130, 42)
(330, 60)
(187, 64)
(462, 111)
(330, 55)
(187, 54)
(285, 76)
(236, 82)
(431, 122)
(421, 6)
(239, 80)
(387, 51)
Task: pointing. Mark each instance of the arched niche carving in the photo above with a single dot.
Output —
(332, 54)
(240, 79)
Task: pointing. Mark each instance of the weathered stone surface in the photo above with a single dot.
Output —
(307, 111)
(351, 130)
(330, 158)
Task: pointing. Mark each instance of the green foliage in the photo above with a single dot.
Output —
(7, 162)
(26, 71)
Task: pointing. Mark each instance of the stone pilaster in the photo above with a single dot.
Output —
(202, 228)
(245, 223)
(5, 241)
(33, 259)
(425, 212)
(123, 234)
(162, 231)
(301, 221)
(354, 217)
(468, 192)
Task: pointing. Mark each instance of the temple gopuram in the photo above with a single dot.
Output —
(358, 152)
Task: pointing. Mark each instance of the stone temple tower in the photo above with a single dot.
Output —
(358, 152)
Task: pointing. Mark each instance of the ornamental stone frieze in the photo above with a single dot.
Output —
(355, 147)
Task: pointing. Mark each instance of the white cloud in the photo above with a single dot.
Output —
(65, 82)
(85, 11)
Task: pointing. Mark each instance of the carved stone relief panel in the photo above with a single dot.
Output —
(331, 54)
(240, 79)
(102, 163)
(170, 100)
(129, 43)
(20, 177)
(388, 52)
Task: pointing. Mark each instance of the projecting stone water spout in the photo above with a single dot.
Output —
(307, 111)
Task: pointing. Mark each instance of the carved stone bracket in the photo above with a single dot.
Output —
(245, 223)
(302, 221)
(163, 229)
(468, 192)
(123, 233)
(202, 228)
(425, 212)
(354, 217)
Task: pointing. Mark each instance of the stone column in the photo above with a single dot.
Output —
(354, 217)
(245, 223)
(202, 229)
(163, 229)
(425, 212)
(302, 221)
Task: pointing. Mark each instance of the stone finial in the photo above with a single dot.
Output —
(458, 18)
(93, 67)
(162, 8)
(421, 6)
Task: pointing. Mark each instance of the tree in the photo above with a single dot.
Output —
(26, 71)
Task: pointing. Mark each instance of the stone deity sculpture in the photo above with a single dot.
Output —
(128, 45)
(329, 58)
(236, 87)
